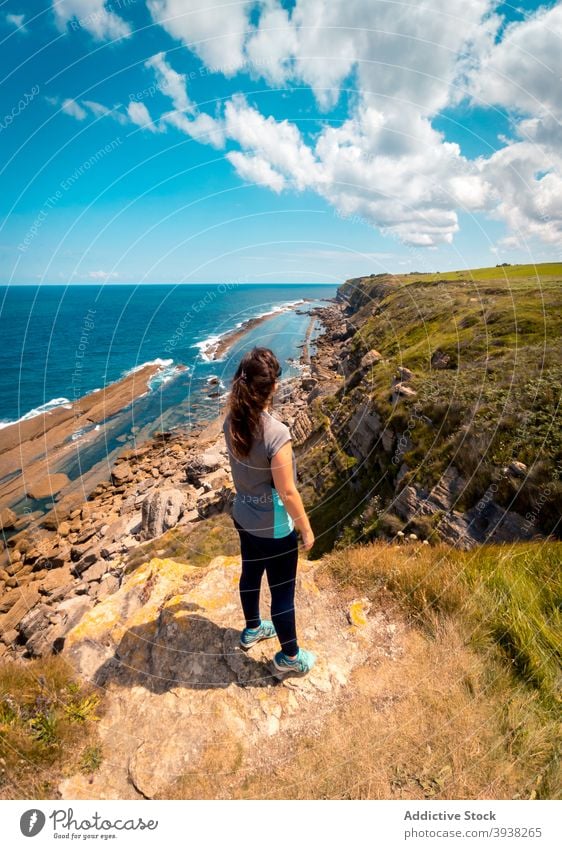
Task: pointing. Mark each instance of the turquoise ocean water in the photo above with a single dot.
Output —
(61, 342)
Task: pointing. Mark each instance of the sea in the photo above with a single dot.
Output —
(59, 343)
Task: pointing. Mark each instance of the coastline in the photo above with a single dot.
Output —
(78, 552)
(33, 450)
(224, 343)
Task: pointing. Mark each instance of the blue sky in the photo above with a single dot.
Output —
(307, 141)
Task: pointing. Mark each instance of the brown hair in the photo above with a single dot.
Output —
(252, 385)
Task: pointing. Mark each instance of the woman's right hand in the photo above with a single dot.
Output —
(307, 539)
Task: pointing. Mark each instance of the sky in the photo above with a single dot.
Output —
(267, 141)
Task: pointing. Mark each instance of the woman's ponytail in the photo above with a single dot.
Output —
(252, 385)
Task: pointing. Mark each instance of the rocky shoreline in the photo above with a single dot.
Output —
(63, 563)
(32, 451)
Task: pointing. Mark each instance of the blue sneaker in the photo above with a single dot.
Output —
(302, 664)
(251, 636)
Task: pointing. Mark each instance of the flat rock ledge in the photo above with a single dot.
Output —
(165, 647)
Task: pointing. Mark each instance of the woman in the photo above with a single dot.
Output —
(267, 509)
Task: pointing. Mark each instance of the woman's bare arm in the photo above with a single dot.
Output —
(282, 473)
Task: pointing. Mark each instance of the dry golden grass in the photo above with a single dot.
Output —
(458, 716)
(434, 724)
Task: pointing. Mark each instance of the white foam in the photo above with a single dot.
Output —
(157, 362)
(208, 347)
(53, 404)
(165, 374)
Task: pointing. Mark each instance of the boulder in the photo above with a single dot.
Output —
(309, 383)
(370, 358)
(47, 487)
(86, 561)
(8, 519)
(122, 473)
(441, 360)
(55, 579)
(400, 391)
(363, 430)
(518, 469)
(166, 651)
(404, 374)
(302, 427)
(26, 598)
(201, 465)
(387, 438)
(161, 510)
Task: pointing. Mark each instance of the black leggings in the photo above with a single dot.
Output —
(278, 557)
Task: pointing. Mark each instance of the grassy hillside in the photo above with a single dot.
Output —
(493, 397)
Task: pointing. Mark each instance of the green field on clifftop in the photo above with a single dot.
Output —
(485, 349)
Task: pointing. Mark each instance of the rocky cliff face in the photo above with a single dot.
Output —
(387, 450)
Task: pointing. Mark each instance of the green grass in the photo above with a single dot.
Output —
(47, 725)
(498, 401)
(206, 539)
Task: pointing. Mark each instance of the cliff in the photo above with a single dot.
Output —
(442, 418)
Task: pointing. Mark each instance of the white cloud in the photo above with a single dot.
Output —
(202, 127)
(17, 21)
(139, 114)
(102, 275)
(403, 63)
(99, 111)
(278, 142)
(522, 72)
(196, 124)
(410, 190)
(91, 15)
(271, 47)
(256, 170)
(215, 33)
(71, 107)
(529, 186)
(171, 83)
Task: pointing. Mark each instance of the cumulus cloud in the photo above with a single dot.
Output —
(256, 170)
(402, 65)
(277, 142)
(522, 71)
(215, 34)
(385, 163)
(139, 114)
(409, 190)
(186, 117)
(92, 16)
(202, 127)
(171, 83)
(521, 74)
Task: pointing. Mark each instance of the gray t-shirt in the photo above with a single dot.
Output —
(257, 505)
